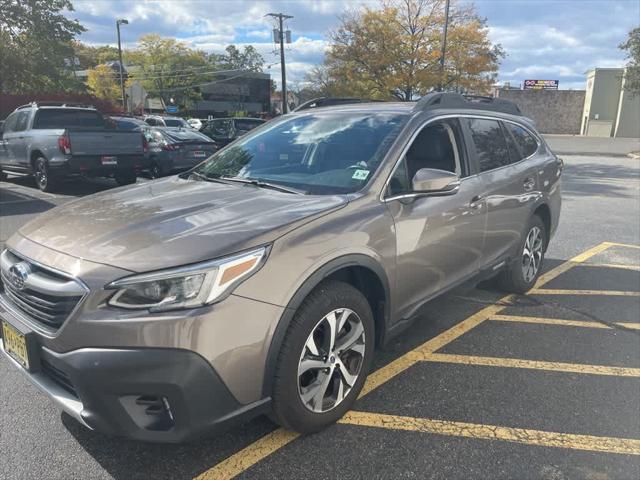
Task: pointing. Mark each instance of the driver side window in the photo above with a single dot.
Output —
(438, 146)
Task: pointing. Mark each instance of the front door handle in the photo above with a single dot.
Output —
(476, 201)
(528, 184)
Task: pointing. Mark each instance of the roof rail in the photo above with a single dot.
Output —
(37, 104)
(442, 100)
(331, 101)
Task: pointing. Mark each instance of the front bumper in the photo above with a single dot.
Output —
(149, 394)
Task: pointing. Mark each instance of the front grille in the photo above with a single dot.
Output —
(46, 296)
(58, 376)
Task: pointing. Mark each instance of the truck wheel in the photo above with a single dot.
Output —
(522, 274)
(125, 178)
(324, 359)
(42, 175)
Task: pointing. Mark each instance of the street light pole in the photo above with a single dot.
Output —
(283, 73)
(444, 43)
(121, 21)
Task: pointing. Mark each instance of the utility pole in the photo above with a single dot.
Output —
(281, 37)
(121, 21)
(444, 43)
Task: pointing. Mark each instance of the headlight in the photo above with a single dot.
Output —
(186, 287)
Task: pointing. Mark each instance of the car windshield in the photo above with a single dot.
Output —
(173, 122)
(319, 153)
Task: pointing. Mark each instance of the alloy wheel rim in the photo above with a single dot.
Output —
(41, 174)
(532, 254)
(155, 172)
(331, 360)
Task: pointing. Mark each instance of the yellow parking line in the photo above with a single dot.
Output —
(613, 265)
(527, 436)
(561, 322)
(245, 458)
(612, 293)
(547, 321)
(258, 450)
(625, 245)
(532, 364)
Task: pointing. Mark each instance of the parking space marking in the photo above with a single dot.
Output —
(613, 266)
(258, 450)
(626, 446)
(561, 322)
(245, 458)
(624, 245)
(530, 364)
(612, 293)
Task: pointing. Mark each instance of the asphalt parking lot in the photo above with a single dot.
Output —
(542, 386)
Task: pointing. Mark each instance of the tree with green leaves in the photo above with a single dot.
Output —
(90, 57)
(35, 46)
(235, 59)
(632, 47)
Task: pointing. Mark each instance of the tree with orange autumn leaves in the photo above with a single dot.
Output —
(393, 52)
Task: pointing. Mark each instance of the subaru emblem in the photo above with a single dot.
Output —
(18, 274)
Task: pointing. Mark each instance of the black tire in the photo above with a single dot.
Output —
(288, 407)
(42, 175)
(513, 278)
(3, 175)
(125, 178)
(155, 171)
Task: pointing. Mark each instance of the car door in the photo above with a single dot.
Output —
(439, 239)
(19, 142)
(510, 187)
(8, 137)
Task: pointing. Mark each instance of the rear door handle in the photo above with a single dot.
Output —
(528, 184)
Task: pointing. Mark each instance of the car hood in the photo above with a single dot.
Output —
(173, 222)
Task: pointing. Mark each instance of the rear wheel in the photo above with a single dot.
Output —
(42, 175)
(325, 358)
(522, 274)
(125, 178)
(155, 171)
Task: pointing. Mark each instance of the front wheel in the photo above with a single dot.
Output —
(325, 358)
(522, 274)
(155, 171)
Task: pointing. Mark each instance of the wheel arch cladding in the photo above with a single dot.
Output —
(361, 271)
(544, 213)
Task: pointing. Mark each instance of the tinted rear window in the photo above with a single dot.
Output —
(175, 123)
(246, 125)
(528, 145)
(491, 147)
(185, 136)
(67, 118)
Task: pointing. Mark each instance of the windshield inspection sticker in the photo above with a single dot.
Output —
(360, 174)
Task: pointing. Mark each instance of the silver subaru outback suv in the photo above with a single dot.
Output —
(262, 280)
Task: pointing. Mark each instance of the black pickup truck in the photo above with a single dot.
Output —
(50, 141)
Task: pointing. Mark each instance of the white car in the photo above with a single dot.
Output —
(195, 123)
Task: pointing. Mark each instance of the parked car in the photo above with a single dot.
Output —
(195, 123)
(263, 279)
(225, 130)
(52, 140)
(127, 123)
(158, 121)
(173, 150)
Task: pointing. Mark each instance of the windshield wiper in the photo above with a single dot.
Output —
(205, 178)
(261, 184)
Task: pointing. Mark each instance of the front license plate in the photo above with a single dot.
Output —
(109, 160)
(199, 154)
(15, 344)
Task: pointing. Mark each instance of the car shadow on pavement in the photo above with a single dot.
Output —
(589, 179)
(73, 186)
(129, 459)
(19, 203)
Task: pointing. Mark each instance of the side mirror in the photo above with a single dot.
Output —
(429, 181)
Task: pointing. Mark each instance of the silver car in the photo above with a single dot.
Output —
(264, 279)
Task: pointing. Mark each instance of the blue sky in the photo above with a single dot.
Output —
(543, 39)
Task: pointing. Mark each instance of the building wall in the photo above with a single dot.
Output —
(628, 121)
(553, 111)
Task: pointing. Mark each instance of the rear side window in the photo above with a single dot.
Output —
(490, 144)
(63, 118)
(525, 141)
(21, 122)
